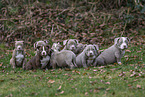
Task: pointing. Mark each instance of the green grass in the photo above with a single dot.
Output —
(113, 80)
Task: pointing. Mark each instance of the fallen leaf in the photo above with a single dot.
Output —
(51, 81)
(1, 64)
(128, 51)
(61, 92)
(138, 86)
(101, 66)
(2, 80)
(107, 83)
(86, 93)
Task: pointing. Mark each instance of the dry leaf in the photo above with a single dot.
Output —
(51, 81)
(138, 86)
(61, 92)
(107, 83)
(1, 64)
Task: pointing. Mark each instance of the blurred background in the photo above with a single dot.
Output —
(89, 21)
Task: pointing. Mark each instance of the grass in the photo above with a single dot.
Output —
(112, 80)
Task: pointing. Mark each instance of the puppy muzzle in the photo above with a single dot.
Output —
(43, 53)
(72, 47)
(90, 54)
(19, 48)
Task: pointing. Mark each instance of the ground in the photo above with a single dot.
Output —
(111, 80)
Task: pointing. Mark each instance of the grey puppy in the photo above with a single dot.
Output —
(87, 57)
(80, 48)
(63, 58)
(114, 53)
(70, 44)
(18, 57)
(56, 46)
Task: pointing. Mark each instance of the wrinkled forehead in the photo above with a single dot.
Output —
(71, 42)
(40, 43)
(43, 48)
(123, 40)
(18, 43)
(90, 47)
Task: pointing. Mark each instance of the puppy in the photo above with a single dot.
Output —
(18, 58)
(56, 46)
(63, 58)
(114, 53)
(40, 43)
(87, 57)
(70, 44)
(80, 48)
(41, 60)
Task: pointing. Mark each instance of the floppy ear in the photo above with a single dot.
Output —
(65, 42)
(48, 46)
(35, 45)
(76, 41)
(127, 39)
(96, 47)
(118, 40)
(115, 40)
(46, 41)
(38, 47)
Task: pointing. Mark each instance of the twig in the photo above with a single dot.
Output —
(11, 19)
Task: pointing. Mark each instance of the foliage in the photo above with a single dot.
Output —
(89, 21)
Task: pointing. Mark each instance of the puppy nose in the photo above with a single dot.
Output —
(73, 47)
(91, 53)
(43, 53)
(125, 46)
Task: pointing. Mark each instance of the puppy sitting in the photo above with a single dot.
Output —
(87, 57)
(70, 44)
(114, 53)
(41, 60)
(18, 58)
(63, 58)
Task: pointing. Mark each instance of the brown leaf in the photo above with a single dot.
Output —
(107, 83)
(1, 64)
(2, 80)
(86, 93)
(61, 92)
(51, 81)
(138, 86)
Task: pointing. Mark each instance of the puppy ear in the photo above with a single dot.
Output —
(35, 45)
(38, 47)
(76, 41)
(115, 40)
(127, 39)
(96, 47)
(48, 46)
(65, 42)
(46, 41)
